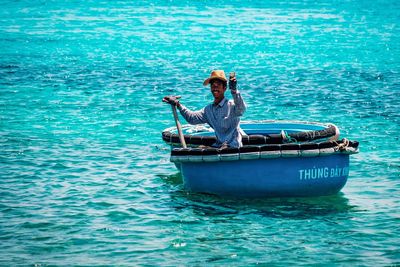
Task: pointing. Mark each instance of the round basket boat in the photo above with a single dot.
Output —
(278, 158)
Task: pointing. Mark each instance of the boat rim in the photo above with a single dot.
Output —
(209, 129)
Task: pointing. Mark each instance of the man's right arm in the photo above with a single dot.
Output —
(192, 117)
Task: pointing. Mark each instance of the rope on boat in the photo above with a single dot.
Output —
(342, 146)
(286, 138)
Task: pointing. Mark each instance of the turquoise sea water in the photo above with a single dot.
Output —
(85, 178)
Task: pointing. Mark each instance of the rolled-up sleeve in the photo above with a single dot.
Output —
(239, 107)
(193, 117)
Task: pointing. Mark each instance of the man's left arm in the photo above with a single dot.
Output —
(239, 107)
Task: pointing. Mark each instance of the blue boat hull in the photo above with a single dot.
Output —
(279, 177)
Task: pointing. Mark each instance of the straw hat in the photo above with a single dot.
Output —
(215, 75)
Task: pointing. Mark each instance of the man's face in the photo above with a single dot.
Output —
(217, 88)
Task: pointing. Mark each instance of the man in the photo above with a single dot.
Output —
(222, 115)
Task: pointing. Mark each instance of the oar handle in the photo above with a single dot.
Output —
(178, 126)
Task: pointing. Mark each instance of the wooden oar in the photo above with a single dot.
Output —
(178, 126)
(172, 100)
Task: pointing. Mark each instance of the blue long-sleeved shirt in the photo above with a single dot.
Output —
(224, 118)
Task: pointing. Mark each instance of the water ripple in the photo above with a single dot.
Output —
(86, 178)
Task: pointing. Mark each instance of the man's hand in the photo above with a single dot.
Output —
(232, 84)
(172, 100)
